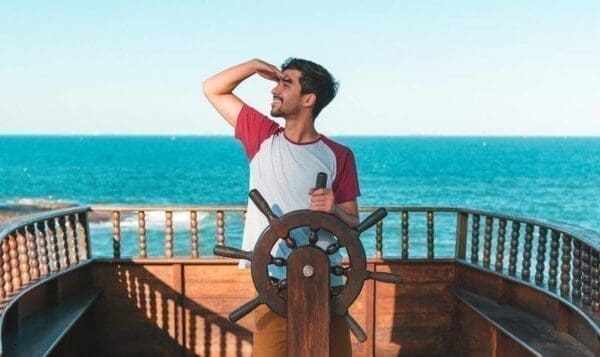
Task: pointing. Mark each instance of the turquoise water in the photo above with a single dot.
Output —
(551, 178)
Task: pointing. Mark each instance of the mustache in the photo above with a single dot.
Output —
(278, 98)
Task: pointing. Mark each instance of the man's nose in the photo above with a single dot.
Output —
(275, 90)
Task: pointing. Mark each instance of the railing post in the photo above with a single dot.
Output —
(565, 276)
(461, 234)
(169, 234)
(404, 234)
(430, 235)
(594, 284)
(541, 255)
(6, 266)
(487, 241)
(576, 282)
(83, 229)
(23, 258)
(475, 239)
(116, 234)
(43, 246)
(2, 291)
(194, 233)
(379, 240)
(220, 228)
(586, 278)
(142, 234)
(554, 247)
(514, 248)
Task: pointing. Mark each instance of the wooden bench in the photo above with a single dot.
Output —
(535, 335)
(39, 333)
(50, 315)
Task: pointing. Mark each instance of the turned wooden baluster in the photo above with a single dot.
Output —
(554, 248)
(6, 268)
(43, 245)
(169, 234)
(527, 247)
(23, 258)
(2, 291)
(430, 235)
(73, 250)
(404, 234)
(576, 283)
(475, 239)
(514, 248)
(379, 240)
(194, 233)
(142, 234)
(595, 282)
(116, 222)
(541, 255)
(32, 253)
(565, 277)
(220, 228)
(82, 234)
(500, 245)
(586, 269)
(487, 240)
(63, 246)
(53, 242)
(15, 273)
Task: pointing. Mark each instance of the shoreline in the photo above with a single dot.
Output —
(8, 212)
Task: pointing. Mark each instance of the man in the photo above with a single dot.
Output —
(284, 163)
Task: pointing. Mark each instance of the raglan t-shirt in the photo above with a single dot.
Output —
(283, 171)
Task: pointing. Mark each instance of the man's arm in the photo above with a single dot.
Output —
(218, 89)
(323, 200)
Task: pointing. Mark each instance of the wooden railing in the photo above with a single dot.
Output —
(40, 245)
(220, 214)
(559, 258)
(556, 257)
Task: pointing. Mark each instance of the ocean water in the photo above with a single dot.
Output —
(550, 178)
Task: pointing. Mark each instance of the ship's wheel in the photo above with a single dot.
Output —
(273, 293)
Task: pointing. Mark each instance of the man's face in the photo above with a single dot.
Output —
(286, 95)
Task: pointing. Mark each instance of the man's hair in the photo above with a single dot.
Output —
(314, 79)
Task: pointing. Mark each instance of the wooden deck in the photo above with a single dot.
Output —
(181, 307)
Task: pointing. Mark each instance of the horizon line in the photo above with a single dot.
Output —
(166, 135)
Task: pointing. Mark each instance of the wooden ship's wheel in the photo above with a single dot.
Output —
(305, 297)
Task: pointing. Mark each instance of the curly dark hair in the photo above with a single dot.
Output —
(314, 79)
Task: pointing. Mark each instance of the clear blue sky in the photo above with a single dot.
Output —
(405, 67)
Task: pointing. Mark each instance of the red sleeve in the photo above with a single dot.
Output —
(345, 186)
(252, 128)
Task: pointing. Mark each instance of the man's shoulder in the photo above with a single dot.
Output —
(336, 147)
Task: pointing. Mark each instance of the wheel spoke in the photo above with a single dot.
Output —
(313, 237)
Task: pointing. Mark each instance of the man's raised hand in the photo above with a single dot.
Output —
(270, 72)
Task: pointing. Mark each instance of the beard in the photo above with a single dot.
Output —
(277, 113)
(276, 110)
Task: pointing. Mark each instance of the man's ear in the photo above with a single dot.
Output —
(309, 100)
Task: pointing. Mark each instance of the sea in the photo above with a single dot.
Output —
(553, 178)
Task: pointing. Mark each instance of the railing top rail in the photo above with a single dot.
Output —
(175, 208)
(242, 207)
(591, 237)
(20, 221)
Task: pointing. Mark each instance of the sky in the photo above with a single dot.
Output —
(497, 68)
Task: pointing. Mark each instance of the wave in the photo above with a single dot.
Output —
(35, 203)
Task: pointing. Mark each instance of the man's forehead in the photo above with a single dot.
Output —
(294, 74)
